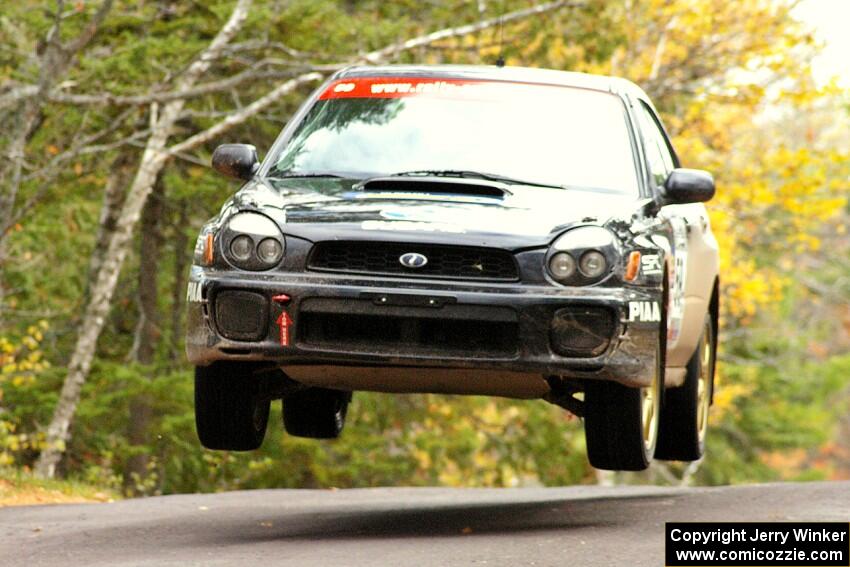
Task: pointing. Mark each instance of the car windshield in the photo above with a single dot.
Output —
(546, 135)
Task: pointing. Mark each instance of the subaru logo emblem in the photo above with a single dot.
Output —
(413, 260)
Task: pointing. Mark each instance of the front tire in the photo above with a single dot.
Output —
(317, 413)
(231, 413)
(685, 420)
(621, 423)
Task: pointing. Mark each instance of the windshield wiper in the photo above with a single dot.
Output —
(463, 173)
(289, 174)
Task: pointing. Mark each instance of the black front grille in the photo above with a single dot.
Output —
(360, 326)
(454, 262)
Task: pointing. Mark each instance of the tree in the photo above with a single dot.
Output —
(154, 158)
(162, 123)
(712, 67)
(21, 113)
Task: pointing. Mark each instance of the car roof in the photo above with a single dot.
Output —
(604, 83)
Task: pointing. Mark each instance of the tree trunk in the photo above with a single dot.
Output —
(97, 309)
(178, 291)
(120, 175)
(147, 336)
(152, 162)
(2, 284)
(10, 178)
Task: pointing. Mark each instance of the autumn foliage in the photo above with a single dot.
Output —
(734, 85)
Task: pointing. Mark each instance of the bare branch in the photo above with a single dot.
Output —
(82, 146)
(218, 44)
(55, 61)
(85, 145)
(376, 56)
(12, 96)
(244, 114)
(659, 49)
(382, 54)
(166, 96)
(832, 292)
(79, 42)
(258, 45)
(372, 57)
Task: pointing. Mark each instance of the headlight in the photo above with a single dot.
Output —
(592, 264)
(583, 255)
(562, 266)
(269, 251)
(241, 248)
(252, 241)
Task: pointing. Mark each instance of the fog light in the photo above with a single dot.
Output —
(241, 315)
(582, 332)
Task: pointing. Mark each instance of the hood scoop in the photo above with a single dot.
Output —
(434, 186)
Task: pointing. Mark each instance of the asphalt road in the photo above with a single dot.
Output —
(583, 526)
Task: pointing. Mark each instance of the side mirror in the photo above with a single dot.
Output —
(688, 186)
(239, 161)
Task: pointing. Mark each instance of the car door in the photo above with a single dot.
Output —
(693, 268)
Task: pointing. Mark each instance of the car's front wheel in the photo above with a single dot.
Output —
(621, 423)
(685, 420)
(231, 411)
(318, 413)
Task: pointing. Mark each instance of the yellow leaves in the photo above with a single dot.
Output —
(725, 393)
(535, 43)
(713, 67)
(450, 474)
(774, 199)
(23, 360)
(453, 439)
(196, 171)
(263, 464)
(423, 459)
(19, 363)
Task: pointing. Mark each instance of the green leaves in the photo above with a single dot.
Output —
(776, 214)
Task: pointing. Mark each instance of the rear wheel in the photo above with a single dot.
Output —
(231, 413)
(621, 423)
(685, 420)
(317, 413)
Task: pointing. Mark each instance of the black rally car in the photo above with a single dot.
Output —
(467, 230)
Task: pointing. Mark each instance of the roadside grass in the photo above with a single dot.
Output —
(20, 488)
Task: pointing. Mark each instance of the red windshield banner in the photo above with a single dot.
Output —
(397, 87)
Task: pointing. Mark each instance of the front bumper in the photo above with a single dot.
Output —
(629, 357)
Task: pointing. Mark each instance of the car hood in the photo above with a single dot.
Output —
(334, 209)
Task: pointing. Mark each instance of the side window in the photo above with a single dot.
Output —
(661, 161)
